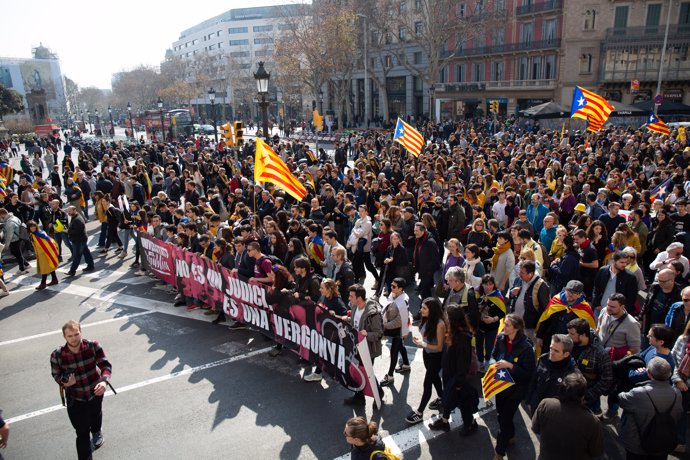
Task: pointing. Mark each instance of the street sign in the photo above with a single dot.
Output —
(658, 99)
(634, 86)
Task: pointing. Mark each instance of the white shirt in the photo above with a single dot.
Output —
(358, 316)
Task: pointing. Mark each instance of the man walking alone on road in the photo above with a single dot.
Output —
(79, 238)
(81, 368)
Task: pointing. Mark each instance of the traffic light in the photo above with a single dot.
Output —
(239, 134)
(228, 134)
(317, 120)
(494, 106)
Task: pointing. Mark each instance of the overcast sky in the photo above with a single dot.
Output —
(96, 39)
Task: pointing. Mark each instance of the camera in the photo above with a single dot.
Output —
(65, 377)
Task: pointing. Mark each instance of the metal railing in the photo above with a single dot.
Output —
(538, 7)
(506, 48)
(675, 31)
(524, 84)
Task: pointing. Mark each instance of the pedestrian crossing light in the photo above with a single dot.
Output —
(493, 106)
(317, 120)
(228, 134)
(239, 134)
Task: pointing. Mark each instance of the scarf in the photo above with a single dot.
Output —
(498, 250)
(585, 243)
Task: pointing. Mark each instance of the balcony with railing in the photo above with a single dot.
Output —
(500, 85)
(536, 8)
(675, 73)
(505, 48)
(647, 34)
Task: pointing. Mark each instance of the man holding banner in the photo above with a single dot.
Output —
(367, 319)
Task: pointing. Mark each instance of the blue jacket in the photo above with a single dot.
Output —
(536, 217)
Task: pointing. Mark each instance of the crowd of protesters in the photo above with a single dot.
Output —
(560, 258)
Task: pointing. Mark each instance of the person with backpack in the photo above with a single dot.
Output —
(650, 415)
(13, 242)
(396, 324)
(365, 441)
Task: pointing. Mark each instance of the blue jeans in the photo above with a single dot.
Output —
(79, 249)
(61, 237)
(485, 344)
(125, 236)
(103, 235)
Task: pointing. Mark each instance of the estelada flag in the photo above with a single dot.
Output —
(591, 107)
(655, 124)
(495, 381)
(497, 299)
(268, 167)
(558, 303)
(46, 250)
(408, 137)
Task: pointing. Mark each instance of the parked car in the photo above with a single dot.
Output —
(205, 129)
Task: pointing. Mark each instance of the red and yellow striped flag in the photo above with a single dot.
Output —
(408, 137)
(495, 381)
(655, 124)
(268, 167)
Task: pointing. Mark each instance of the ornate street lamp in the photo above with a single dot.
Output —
(131, 125)
(98, 124)
(262, 77)
(212, 97)
(112, 126)
(160, 107)
(88, 115)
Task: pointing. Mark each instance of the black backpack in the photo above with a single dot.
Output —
(659, 437)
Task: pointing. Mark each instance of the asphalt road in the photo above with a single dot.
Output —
(191, 389)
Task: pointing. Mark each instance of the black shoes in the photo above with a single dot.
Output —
(470, 429)
(439, 425)
(88, 269)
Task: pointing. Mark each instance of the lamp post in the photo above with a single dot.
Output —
(98, 124)
(160, 107)
(321, 102)
(262, 77)
(112, 126)
(88, 115)
(432, 109)
(663, 56)
(82, 118)
(131, 125)
(366, 74)
(212, 97)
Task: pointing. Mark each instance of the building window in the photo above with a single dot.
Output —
(620, 17)
(268, 28)
(526, 33)
(549, 30)
(443, 75)
(498, 37)
(218, 33)
(586, 63)
(245, 66)
(653, 18)
(461, 10)
(417, 4)
(523, 68)
(550, 67)
(263, 41)
(497, 71)
(684, 18)
(284, 27)
(239, 54)
(417, 57)
(388, 62)
(460, 73)
(418, 27)
(238, 30)
(536, 67)
(590, 19)
(478, 71)
(262, 53)
(244, 41)
(401, 34)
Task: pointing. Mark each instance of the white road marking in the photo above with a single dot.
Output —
(418, 435)
(59, 331)
(134, 386)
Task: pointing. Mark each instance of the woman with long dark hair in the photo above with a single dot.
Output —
(432, 330)
(513, 352)
(458, 391)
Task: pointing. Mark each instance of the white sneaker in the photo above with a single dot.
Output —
(313, 377)
(4, 294)
(23, 272)
(140, 273)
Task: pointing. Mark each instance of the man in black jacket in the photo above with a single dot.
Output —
(425, 261)
(342, 272)
(611, 279)
(552, 367)
(78, 237)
